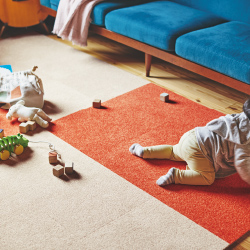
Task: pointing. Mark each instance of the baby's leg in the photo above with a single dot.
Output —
(161, 152)
(166, 151)
(167, 179)
(158, 152)
(194, 177)
(200, 171)
(136, 149)
(155, 152)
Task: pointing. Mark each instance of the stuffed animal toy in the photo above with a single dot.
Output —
(21, 85)
(28, 114)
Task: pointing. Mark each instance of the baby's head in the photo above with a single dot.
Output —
(246, 108)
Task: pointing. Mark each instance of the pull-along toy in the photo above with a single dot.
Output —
(16, 144)
(12, 144)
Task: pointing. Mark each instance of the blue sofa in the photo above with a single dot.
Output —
(211, 38)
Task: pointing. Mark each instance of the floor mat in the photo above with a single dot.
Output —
(139, 116)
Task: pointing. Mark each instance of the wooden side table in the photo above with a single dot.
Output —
(21, 13)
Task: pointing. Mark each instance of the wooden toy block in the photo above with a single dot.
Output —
(1, 133)
(32, 125)
(58, 171)
(97, 103)
(69, 167)
(164, 97)
(52, 157)
(24, 128)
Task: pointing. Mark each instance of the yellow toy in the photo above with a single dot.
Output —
(12, 144)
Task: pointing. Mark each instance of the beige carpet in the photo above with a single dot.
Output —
(94, 208)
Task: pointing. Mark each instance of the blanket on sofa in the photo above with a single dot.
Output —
(73, 20)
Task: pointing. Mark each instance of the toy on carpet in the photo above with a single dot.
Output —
(25, 127)
(69, 167)
(12, 144)
(164, 97)
(21, 85)
(17, 143)
(53, 157)
(28, 114)
(57, 170)
(97, 103)
(60, 170)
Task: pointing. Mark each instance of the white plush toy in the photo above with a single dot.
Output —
(28, 114)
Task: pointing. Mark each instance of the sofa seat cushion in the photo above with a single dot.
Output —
(103, 8)
(224, 48)
(158, 23)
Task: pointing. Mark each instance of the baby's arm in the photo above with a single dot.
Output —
(242, 161)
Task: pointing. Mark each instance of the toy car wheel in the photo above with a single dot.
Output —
(4, 155)
(18, 149)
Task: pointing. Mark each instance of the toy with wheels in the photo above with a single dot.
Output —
(12, 144)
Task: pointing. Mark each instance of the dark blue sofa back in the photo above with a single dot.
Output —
(231, 10)
(53, 4)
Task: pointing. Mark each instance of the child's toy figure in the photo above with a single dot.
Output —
(219, 149)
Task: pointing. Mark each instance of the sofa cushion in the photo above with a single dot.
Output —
(158, 23)
(101, 9)
(45, 3)
(231, 10)
(54, 4)
(224, 48)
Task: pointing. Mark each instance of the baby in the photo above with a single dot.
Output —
(219, 149)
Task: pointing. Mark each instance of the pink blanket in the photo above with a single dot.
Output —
(73, 20)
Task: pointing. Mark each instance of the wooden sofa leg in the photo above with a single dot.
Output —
(148, 60)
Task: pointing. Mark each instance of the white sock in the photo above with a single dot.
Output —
(166, 179)
(136, 149)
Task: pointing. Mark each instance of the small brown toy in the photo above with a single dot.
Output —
(24, 127)
(164, 97)
(69, 167)
(52, 157)
(97, 103)
(58, 171)
(32, 125)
